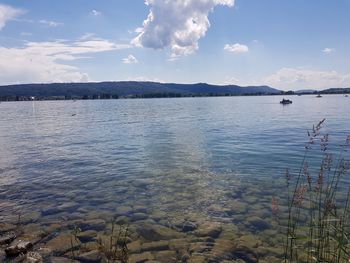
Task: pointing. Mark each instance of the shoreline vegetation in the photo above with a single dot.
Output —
(135, 90)
(318, 202)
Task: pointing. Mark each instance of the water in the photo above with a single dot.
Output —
(185, 157)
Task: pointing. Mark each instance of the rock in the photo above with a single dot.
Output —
(140, 209)
(7, 238)
(222, 250)
(249, 241)
(157, 232)
(2, 255)
(139, 216)
(270, 251)
(50, 211)
(201, 247)
(94, 256)
(155, 246)
(245, 253)
(87, 236)
(62, 260)
(197, 259)
(68, 206)
(63, 243)
(138, 258)
(166, 256)
(218, 210)
(20, 247)
(134, 247)
(124, 210)
(257, 223)
(30, 217)
(33, 257)
(94, 224)
(229, 231)
(181, 244)
(122, 220)
(209, 229)
(44, 252)
(5, 227)
(189, 226)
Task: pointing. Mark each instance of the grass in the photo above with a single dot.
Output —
(115, 248)
(319, 204)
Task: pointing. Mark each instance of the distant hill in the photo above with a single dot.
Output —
(305, 91)
(336, 91)
(125, 89)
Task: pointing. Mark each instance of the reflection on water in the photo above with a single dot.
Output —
(157, 161)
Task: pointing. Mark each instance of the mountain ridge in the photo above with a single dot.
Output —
(138, 89)
(129, 89)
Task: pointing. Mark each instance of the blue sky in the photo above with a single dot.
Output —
(282, 43)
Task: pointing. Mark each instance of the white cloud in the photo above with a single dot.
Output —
(229, 80)
(236, 48)
(328, 50)
(50, 23)
(26, 34)
(177, 24)
(96, 13)
(8, 13)
(47, 61)
(130, 60)
(298, 78)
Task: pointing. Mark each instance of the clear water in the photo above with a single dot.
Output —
(177, 156)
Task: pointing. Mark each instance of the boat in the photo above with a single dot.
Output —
(346, 95)
(284, 101)
(319, 96)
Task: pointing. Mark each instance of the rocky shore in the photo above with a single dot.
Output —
(153, 237)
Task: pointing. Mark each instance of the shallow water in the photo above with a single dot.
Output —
(170, 160)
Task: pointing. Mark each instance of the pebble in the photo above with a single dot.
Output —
(20, 247)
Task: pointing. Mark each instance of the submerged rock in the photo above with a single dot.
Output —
(94, 256)
(62, 243)
(166, 256)
(155, 246)
(7, 238)
(87, 236)
(94, 224)
(158, 232)
(189, 226)
(257, 223)
(209, 229)
(139, 216)
(33, 257)
(20, 247)
(61, 260)
(245, 253)
(143, 257)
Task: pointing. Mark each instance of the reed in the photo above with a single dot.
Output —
(115, 248)
(318, 227)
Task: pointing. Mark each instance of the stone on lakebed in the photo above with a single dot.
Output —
(20, 247)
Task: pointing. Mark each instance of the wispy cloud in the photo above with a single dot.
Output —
(236, 48)
(178, 25)
(96, 13)
(8, 13)
(328, 50)
(130, 60)
(50, 23)
(299, 78)
(47, 61)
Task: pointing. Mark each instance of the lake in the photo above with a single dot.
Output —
(178, 167)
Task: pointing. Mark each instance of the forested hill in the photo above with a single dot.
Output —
(126, 89)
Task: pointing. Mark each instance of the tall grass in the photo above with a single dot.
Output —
(318, 204)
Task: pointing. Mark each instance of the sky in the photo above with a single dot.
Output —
(286, 44)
